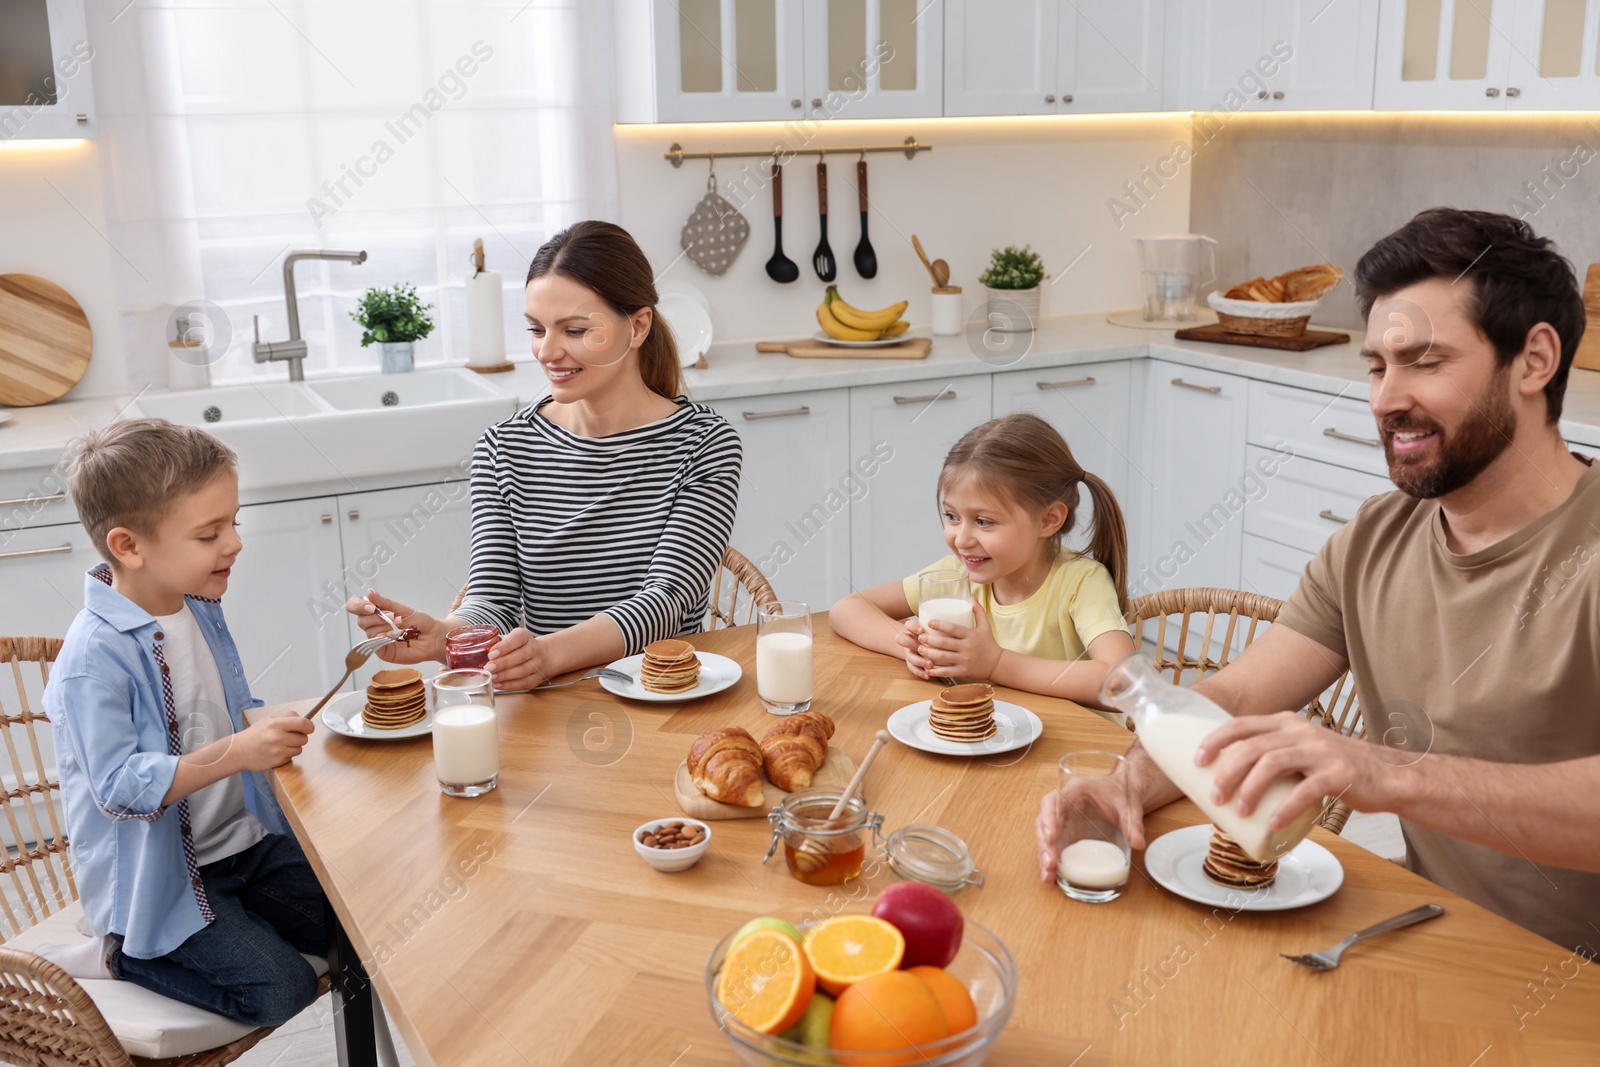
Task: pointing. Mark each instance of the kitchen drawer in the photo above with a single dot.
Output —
(1303, 501)
(1333, 429)
(36, 497)
(42, 571)
(1272, 569)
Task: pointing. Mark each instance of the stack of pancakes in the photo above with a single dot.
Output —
(395, 699)
(1228, 864)
(669, 667)
(963, 713)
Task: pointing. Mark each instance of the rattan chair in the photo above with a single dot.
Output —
(735, 574)
(1207, 623)
(47, 1018)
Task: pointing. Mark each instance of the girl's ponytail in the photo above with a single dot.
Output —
(1108, 541)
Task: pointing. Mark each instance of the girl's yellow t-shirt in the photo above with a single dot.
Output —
(1076, 604)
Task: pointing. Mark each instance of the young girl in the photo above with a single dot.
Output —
(1048, 619)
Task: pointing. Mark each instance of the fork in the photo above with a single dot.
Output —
(352, 661)
(1328, 958)
(599, 672)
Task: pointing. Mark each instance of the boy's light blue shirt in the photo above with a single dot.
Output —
(117, 745)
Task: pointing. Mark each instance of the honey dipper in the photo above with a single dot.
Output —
(812, 855)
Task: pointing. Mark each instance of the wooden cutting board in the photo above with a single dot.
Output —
(44, 340)
(835, 772)
(1588, 354)
(910, 348)
(1304, 343)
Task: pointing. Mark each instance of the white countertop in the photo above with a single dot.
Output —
(36, 437)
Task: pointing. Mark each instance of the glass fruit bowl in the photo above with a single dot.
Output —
(983, 964)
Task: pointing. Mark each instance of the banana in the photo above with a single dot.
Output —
(896, 329)
(838, 330)
(855, 317)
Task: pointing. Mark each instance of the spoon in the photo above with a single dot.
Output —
(941, 273)
(780, 268)
(812, 855)
(822, 258)
(866, 258)
(915, 243)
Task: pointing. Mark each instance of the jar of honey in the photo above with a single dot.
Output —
(467, 647)
(820, 850)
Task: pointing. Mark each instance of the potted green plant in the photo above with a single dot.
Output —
(1012, 282)
(395, 319)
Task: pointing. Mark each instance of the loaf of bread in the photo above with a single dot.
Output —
(1302, 283)
(795, 748)
(725, 765)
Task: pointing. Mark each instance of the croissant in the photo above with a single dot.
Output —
(794, 748)
(725, 765)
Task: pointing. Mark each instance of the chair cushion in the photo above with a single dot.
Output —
(148, 1024)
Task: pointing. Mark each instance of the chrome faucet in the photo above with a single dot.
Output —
(293, 351)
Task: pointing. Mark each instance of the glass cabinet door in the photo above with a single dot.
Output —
(874, 59)
(1556, 61)
(1447, 54)
(729, 60)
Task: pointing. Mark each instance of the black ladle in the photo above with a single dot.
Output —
(780, 268)
(866, 258)
(822, 258)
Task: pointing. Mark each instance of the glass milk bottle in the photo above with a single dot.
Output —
(1171, 722)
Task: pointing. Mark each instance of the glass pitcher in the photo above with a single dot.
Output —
(1171, 722)
(1171, 269)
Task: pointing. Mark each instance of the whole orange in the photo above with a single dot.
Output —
(885, 1011)
(960, 1013)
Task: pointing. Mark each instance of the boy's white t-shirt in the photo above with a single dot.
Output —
(218, 820)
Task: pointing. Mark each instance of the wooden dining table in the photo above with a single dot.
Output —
(522, 928)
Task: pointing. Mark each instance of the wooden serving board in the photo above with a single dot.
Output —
(836, 772)
(1588, 354)
(1304, 343)
(910, 348)
(44, 340)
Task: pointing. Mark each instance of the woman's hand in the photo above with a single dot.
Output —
(429, 643)
(910, 639)
(519, 661)
(953, 651)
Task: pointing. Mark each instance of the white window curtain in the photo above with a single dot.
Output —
(233, 133)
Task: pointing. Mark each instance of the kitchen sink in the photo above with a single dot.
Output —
(339, 430)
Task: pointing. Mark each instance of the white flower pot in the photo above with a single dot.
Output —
(397, 357)
(1013, 310)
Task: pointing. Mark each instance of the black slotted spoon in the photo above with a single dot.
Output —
(822, 258)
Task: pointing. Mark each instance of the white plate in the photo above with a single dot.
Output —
(4, 418)
(342, 715)
(690, 323)
(716, 674)
(1309, 873)
(882, 342)
(1017, 726)
(674, 287)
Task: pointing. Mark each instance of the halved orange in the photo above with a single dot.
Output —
(848, 948)
(766, 981)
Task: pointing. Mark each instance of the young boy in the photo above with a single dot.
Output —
(181, 854)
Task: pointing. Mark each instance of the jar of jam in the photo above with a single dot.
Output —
(468, 646)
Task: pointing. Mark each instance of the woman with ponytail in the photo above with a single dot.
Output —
(600, 513)
(1048, 619)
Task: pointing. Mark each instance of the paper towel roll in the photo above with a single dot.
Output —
(486, 328)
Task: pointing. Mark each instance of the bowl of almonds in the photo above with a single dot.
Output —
(672, 844)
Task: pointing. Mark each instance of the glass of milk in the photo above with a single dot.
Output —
(466, 736)
(1093, 862)
(946, 596)
(783, 657)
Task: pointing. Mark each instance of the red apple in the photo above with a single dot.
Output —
(929, 920)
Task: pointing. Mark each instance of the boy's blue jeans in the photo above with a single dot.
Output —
(246, 963)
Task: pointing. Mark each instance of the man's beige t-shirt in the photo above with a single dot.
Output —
(1493, 655)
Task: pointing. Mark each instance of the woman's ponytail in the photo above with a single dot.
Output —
(1108, 541)
(658, 359)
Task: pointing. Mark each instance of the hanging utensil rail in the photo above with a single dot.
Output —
(911, 146)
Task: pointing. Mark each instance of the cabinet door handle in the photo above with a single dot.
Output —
(1192, 385)
(1331, 517)
(753, 415)
(1262, 95)
(354, 514)
(1066, 98)
(59, 550)
(1352, 438)
(53, 498)
(1491, 91)
(794, 103)
(1063, 385)
(1050, 99)
(1513, 91)
(1277, 94)
(327, 520)
(948, 394)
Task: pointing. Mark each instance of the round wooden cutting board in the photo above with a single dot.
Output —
(44, 340)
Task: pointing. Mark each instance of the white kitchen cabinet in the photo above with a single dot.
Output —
(1300, 502)
(1272, 569)
(1089, 405)
(285, 604)
(709, 60)
(1279, 55)
(1332, 429)
(1047, 57)
(49, 91)
(795, 491)
(42, 570)
(873, 59)
(1473, 55)
(895, 529)
(412, 545)
(1555, 58)
(1194, 459)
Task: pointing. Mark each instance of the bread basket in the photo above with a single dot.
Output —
(1261, 318)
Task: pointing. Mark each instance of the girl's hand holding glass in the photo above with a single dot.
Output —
(954, 651)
